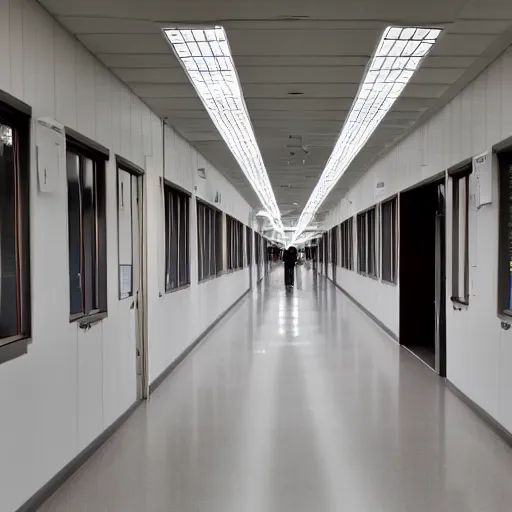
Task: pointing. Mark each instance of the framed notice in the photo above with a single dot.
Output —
(125, 281)
(482, 165)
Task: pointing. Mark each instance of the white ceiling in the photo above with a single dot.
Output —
(318, 49)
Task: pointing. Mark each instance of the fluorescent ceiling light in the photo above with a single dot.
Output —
(205, 56)
(398, 55)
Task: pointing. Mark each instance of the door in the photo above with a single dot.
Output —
(130, 274)
(440, 284)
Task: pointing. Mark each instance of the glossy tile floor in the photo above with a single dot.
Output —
(297, 402)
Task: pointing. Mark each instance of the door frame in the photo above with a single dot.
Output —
(139, 298)
(440, 293)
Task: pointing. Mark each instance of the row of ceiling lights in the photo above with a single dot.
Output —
(205, 55)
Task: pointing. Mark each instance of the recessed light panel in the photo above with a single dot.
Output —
(205, 56)
(398, 56)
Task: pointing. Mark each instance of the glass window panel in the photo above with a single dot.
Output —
(90, 248)
(183, 238)
(9, 276)
(74, 233)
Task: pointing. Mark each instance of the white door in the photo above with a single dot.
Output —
(130, 271)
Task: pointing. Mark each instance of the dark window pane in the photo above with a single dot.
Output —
(75, 233)
(183, 228)
(9, 284)
(174, 241)
(90, 248)
(200, 240)
(219, 240)
(212, 243)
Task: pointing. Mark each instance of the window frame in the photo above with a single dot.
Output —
(347, 244)
(505, 235)
(220, 235)
(17, 115)
(248, 245)
(168, 189)
(137, 172)
(213, 242)
(334, 243)
(394, 245)
(234, 244)
(368, 243)
(86, 148)
(461, 173)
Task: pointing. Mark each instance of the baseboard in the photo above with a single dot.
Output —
(193, 345)
(37, 500)
(386, 329)
(494, 425)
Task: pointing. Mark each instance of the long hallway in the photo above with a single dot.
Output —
(297, 402)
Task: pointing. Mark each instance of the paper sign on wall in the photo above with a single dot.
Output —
(380, 189)
(125, 281)
(50, 147)
(482, 165)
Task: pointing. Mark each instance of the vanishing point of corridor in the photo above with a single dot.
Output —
(297, 402)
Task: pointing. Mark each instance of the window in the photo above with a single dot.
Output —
(85, 170)
(14, 227)
(334, 245)
(129, 204)
(389, 240)
(505, 235)
(347, 244)
(460, 231)
(366, 253)
(177, 253)
(257, 248)
(219, 242)
(248, 244)
(235, 243)
(207, 243)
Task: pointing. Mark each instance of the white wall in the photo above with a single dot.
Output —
(72, 385)
(177, 319)
(479, 351)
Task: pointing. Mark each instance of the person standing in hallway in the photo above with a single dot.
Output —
(289, 258)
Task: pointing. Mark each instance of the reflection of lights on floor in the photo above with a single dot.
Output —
(288, 317)
(293, 343)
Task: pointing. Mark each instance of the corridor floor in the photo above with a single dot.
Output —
(297, 402)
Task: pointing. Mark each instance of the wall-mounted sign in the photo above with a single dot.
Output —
(125, 281)
(482, 166)
(380, 189)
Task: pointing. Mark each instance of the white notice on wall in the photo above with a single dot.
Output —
(380, 189)
(482, 165)
(49, 151)
(125, 281)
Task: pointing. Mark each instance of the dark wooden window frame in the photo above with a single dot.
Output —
(367, 243)
(86, 148)
(183, 228)
(390, 277)
(215, 268)
(456, 175)
(134, 170)
(17, 115)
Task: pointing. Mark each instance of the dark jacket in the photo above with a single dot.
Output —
(290, 256)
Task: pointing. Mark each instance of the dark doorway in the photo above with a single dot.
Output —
(422, 273)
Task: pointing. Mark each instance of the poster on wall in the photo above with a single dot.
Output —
(50, 142)
(380, 190)
(125, 281)
(482, 166)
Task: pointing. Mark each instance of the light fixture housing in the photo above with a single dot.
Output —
(204, 54)
(398, 55)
